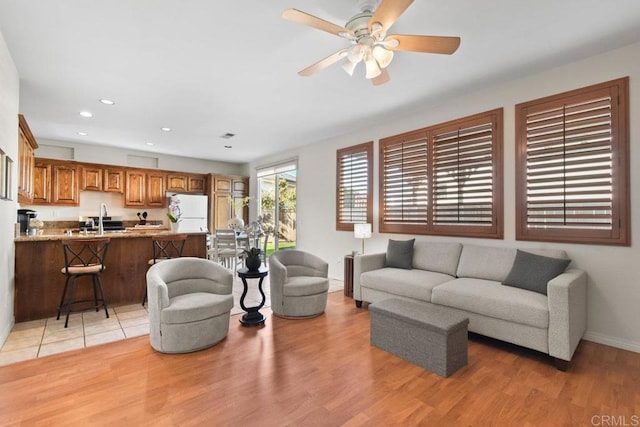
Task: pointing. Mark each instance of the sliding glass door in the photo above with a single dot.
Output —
(277, 206)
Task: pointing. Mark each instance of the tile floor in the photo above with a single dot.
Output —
(39, 338)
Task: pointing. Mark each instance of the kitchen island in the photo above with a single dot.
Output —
(40, 259)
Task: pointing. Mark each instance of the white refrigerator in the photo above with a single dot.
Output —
(194, 212)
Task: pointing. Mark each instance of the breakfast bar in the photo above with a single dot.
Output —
(39, 260)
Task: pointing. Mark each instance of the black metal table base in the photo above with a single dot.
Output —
(253, 317)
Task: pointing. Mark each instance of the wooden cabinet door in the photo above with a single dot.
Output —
(222, 211)
(134, 188)
(41, 183)
(113, 180)
(196, 183)
(91, 178)
(26, 161)
(155, 190)
(177, 182)
(240, 186)
(64, 184)
(221, 183)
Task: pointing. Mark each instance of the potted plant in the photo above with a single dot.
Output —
(174, 213)
(252, 259)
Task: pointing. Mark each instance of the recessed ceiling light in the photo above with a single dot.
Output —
(150, 144)
(86, 114)
(107, 102)
(165, 129)
(228, 146)
(83, 133)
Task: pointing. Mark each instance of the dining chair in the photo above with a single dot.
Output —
(165, 246)
(226, 250)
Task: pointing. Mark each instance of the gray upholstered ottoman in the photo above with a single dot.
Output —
(431, 336)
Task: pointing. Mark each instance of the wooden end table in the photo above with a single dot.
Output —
(253, 317)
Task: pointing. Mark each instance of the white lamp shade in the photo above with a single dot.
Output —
(362, 231)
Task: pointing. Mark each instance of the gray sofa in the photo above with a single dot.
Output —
(468, 279)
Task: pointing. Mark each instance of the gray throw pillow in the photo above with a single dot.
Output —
(400, 253)
(532, 272)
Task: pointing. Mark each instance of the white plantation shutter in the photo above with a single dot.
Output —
(404, 184)
(354, 182)
(572, 160)
(463, 175)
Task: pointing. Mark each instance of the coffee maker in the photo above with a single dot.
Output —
(24, 216)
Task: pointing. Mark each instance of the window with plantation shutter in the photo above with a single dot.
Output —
(445, 179)
(354, 186)
(403, 183)
(572, 166)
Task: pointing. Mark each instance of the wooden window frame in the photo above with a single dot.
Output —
(620, 214)
(365, 149)
(425, 167)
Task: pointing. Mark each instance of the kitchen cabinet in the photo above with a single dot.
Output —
(91, 178)
(64, 185)
(196, 184)
(134, 187)
(113, 180)
(156, 194)
(177, 182)
(226, 191)
(26, 161)
(55, 182)
(41, 183)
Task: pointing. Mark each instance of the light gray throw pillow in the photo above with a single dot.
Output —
(532, 272)
(400, 253)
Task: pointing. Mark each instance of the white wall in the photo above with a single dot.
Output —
(9, 88)
(614, 272)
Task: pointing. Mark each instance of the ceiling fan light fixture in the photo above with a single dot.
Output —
(349, 66)
(355, 53)
(382, 56)
(373, 69)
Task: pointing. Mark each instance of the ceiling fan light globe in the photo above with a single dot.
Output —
(373, 69)
(349, 67)
(355, 53)
(382, 56)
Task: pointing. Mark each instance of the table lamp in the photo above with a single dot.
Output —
(362, 231)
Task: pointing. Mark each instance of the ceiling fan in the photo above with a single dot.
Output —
(370, 43)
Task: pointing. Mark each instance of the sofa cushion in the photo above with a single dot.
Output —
(305, 285)
(485, 262)
(533, 272)
(440, 257)
(195, 307)
(490, 298)
(414, 283)
(400, 253)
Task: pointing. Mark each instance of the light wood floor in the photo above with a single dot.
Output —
(320, 372)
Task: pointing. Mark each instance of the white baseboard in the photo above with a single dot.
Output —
(612, 341)
(4, 333)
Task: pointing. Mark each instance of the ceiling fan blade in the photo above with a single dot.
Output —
(388, 12)
(324, 63)
(304, 18)
(426, 44)
(382, 78)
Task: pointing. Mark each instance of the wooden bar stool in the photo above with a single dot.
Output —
(83, 257)
(165, 246)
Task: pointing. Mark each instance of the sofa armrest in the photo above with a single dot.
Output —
(362, 264)
(567, 298)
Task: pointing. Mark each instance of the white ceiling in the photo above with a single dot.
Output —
(205, 68)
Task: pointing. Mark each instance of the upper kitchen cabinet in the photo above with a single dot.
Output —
(91, 178)
(26, 161)
(156, 194)
(55, 182)
(185, 183)
(144, 188)
(113, 180)
(134, 187)
(196, 184)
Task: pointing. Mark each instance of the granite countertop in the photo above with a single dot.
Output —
(128, 233)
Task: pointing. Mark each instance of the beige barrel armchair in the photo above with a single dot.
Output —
(190, 302)
(298, 283)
